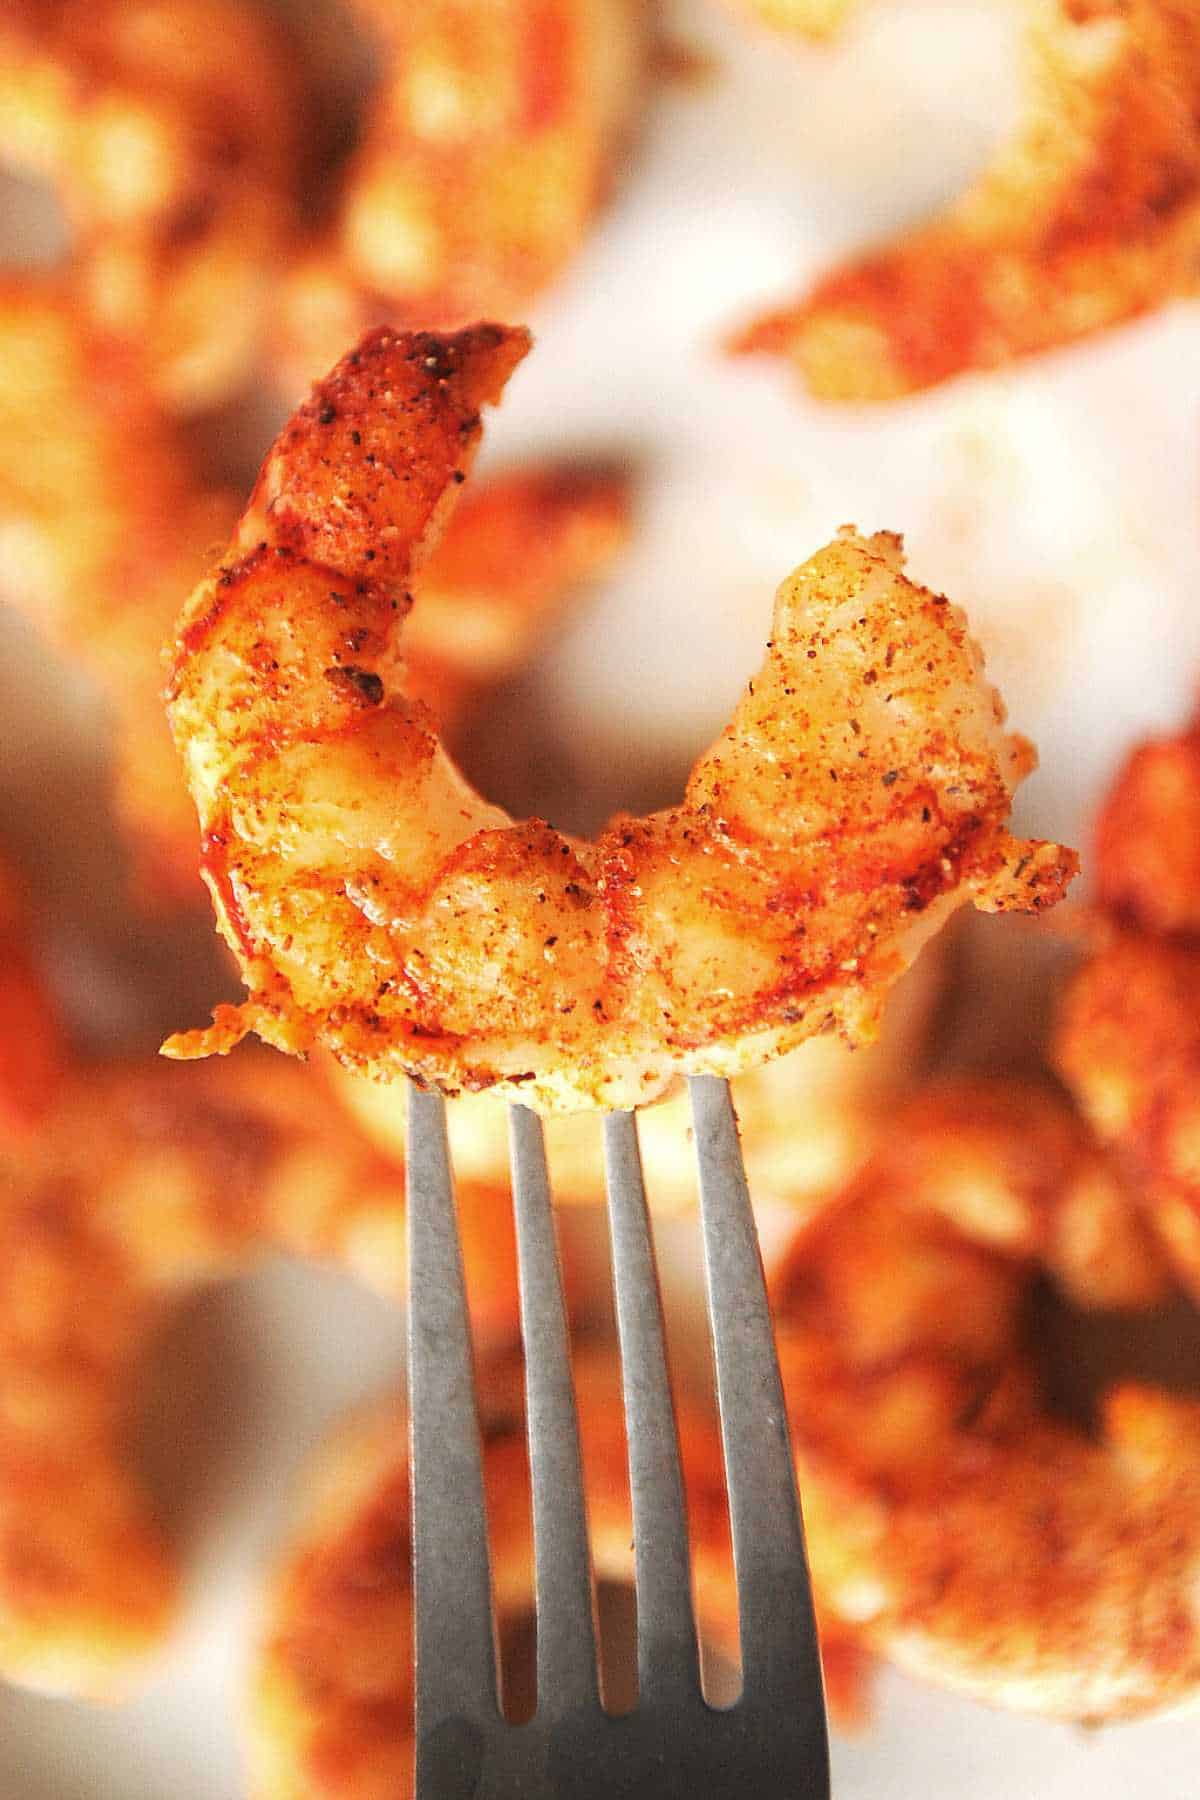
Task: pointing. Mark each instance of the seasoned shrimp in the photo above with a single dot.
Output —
(1128, 1039)
(331, 1705)
(143, 1185)
(378, 905)
(101, 519)
(971, 1538)
(169, 130)
(105, 519)
(1128, 1043)
(1146, 857)
(1089, 217)
(806, 1121)
(488, 145)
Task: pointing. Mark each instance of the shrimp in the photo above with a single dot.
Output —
(1128, 1036)
(970, 1537)
(487, 147)
(806, 1122)
(140, 1186)
(1128, 1044)
(332, 1694)
(1089, 217)
(103, 521)
(170, 132)
(1146, 858)
(378, 905)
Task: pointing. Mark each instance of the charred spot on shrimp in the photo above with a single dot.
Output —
(360, 686)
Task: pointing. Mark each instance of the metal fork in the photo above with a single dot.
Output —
(673, 1744)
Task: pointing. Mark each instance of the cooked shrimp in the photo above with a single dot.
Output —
(378, 905)
(1146, 855)
(972, 1539)
(1089, 217)
(487, 147)
(169, 131)
(1128, 1043)
(1012, 1168)
(101, 519)
(105, 519)
(143, 1185)
(806, 1122)
(331, 1705)
(1128, 1038)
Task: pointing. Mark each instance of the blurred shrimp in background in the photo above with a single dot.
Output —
(1128, 1042)
(489, 139)
(1087, 218)
(170, 132)
(104, 523)
(128, 1191)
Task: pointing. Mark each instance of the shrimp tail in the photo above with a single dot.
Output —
(364, 476)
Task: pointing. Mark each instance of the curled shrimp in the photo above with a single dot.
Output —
(970, 1536)
(1089, 217)
(378, 905)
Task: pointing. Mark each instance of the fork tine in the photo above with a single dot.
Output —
(780, 1659)
(453, 1631)
(668, 1660)
(566, 1629)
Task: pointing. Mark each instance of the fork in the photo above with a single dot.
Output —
(673, 1744)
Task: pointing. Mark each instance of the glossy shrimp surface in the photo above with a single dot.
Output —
(380, 906)
(1088, 217)
(488, 144)
(144, 1183)
(170, 134)
(972, 1537)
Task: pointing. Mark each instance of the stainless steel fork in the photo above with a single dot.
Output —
(772, 1742)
